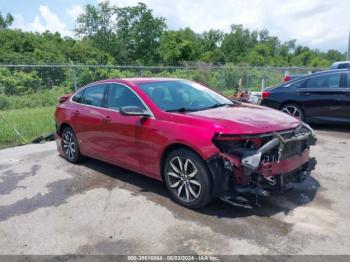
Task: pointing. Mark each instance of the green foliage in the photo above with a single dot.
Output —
(31, 100)
(138, 32)
(18, 82)
(179, 46)
(133, 35)
(6, 21)
(237, 43)
(129, 34)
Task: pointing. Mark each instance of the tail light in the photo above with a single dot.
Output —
(265, 94)
(287, 78)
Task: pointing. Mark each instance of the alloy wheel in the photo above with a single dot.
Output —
(293, 111)
(68, 144)
(183, 179)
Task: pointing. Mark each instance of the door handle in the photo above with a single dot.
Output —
(305, 93)
(76, 113)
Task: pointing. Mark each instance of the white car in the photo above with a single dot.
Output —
(254, 97)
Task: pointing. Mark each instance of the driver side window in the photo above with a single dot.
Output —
(120, 96)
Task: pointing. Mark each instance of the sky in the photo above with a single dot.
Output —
(322, 24)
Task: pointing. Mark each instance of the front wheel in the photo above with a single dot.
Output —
(187, 178)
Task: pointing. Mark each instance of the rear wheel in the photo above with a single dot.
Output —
(187, 178)
(293, 110)
(70, 146)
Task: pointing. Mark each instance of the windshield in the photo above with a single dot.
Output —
(182, 95)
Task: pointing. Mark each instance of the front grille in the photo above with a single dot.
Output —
(293, 148)
(290, 148)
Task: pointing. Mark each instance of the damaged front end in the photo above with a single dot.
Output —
(257, 164)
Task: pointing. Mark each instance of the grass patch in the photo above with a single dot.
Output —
(30, 123)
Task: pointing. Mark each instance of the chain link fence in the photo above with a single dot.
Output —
(28, 93)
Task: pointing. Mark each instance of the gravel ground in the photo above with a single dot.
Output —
(48, 206)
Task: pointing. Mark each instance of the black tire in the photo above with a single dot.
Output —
(293, 110)
(195, 189)
(70, 146)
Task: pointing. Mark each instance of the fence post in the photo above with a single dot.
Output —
(262, 86)
(74, 74)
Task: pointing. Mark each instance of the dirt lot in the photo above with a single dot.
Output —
(48, 206)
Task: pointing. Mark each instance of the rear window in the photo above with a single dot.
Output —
(78, 97)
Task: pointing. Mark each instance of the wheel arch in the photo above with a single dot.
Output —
(63, 126)
(291, 102)
(171, 147)
(214, 165)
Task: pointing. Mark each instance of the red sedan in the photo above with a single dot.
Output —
(200, 143)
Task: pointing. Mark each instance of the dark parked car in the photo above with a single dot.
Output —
(341, 65)
(322, 97)
(199, 142)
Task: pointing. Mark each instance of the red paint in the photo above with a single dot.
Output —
(138, 143)
(287, 78)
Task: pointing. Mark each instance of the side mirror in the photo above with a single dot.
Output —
(134, 111)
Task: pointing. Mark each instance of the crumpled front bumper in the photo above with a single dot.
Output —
(252, 160)
(253, 171)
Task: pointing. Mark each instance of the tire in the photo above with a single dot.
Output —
(293, 110)
(187, 178)
(70, 146)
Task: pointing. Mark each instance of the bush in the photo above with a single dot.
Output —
(18, 82)
(41, 98)
(4, 103)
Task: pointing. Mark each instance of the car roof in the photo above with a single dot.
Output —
(341, 62)
(312, 75)
(338, 64)
(136, 80)
(322, 73)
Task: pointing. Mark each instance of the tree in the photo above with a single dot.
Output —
(260, 55)
(179, 46)
(6, 21)
(99, 23)
(212, 39)
(237, 43)
(130, 34)
(334, 55)
(139, 33)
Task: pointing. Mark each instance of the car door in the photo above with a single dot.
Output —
(322, 96)
(88, 120)
(124, 136)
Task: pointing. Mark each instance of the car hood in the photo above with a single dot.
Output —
(247, 119)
